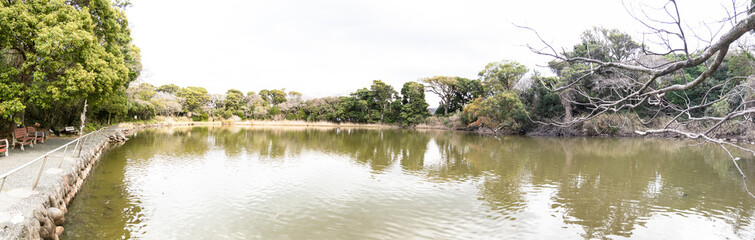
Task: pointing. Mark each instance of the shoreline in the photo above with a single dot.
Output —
(425, 127)
(41, 215)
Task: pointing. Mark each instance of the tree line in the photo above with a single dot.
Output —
(491, 102)
(58, 55)
(380, 103)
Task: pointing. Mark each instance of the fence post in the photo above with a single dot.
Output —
(78, 141)
(40, 173)
(85, 139)
(2, 183)
(64, 156)
(101, 134)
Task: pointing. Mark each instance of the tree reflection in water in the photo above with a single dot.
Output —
(605, 187)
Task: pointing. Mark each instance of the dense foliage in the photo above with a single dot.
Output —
(57, 55)
(379, 103)
(501, 111)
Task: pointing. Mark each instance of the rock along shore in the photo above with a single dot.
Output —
(39, 213)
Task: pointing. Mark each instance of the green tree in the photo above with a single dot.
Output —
(142, 91)
(321, 109)
(366, 106)
(352, 109)
(607, 45)
(465, 91)
(413, 104)
(58, 53)
(142, 110)
(195, 98)
(169, 88)
(115, 107)
(503, 75)
(501, 111)
(539, 101)
(234, 100)
(371, 105)
(273, 97)
(444, 87)
(382, 95)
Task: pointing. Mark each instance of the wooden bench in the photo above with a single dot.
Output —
(37, 135)
(4, 146)
(21, 137)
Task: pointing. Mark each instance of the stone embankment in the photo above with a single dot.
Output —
(39, 213)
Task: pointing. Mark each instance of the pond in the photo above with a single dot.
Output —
(327, 183)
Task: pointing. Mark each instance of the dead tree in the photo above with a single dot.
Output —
(670, 37)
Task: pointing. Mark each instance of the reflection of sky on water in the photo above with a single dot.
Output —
(328, 183)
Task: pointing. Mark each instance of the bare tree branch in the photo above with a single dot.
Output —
(628, 85)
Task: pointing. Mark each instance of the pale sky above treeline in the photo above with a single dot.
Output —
(333, 47)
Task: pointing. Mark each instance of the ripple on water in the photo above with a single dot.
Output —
(345, 186)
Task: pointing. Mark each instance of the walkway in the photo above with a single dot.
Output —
(18, 185)
(17, 198)
(18, 157)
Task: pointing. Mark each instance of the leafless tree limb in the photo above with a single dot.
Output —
(634, 83)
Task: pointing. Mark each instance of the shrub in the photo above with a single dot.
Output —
(200, 117)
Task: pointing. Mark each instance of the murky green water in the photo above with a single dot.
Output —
(246, 183)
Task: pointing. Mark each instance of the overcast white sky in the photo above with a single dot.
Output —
(333, 47)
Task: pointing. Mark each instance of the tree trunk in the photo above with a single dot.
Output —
(565, 101)
(23, 118)
(83, 118)
(445, 106)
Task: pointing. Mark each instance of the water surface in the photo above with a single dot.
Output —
(311, 183)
